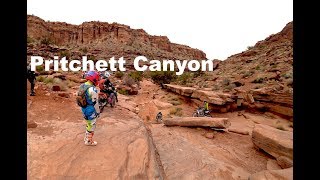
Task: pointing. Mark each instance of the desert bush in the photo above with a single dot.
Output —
(162, 77)
(176, 111)
(46, 41)
(122, 91)
(258, 67)
(48, 80)
(136, 75)
(258, 80)
(40, 78)
(119, 74)
(84, 50)
(248, 73)
(29, 40)
(129, 81)
(39, 68)
(65, 54)
(184, 78)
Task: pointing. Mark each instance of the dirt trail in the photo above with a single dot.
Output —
(131, 146)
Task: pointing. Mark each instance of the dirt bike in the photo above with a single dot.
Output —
(105, 99)
(200, 112)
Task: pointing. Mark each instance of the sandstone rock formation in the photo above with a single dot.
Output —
(105, 40)
(198, 121)
(275, 142)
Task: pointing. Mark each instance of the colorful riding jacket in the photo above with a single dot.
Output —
(92, 109)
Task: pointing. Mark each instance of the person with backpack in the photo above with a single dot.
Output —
(31, 76)
(87, 99)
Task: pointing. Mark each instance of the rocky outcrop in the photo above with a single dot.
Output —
(124, 151)
(198, 122)
(275, 142)
(280, 103)
(215, 98)
(283, 174)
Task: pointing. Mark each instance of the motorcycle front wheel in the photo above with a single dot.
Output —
(195, 114)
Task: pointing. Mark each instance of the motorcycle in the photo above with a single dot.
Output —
(104, 99)
(200, 112)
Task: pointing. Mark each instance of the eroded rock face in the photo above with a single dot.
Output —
(103, 34)
(273, 141)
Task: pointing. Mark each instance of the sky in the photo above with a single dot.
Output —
(220, 28)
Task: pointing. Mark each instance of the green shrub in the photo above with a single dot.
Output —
(248, 73)
(119, 74)
(39, 68)
(29, 40)
(185, 78)
(65, 54)
(123, 92)
(176, 111)
(136, 75)
(40, 78)
(258, 80)
(46, 41)
(48, 80)
(164, 77)
(84, 50)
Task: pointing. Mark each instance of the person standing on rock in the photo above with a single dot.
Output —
(91, 111)
(31, 76)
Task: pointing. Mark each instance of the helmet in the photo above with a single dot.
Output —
(106, 75)
(93, 76)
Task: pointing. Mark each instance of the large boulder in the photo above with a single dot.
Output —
(198, 121)
(273, 141)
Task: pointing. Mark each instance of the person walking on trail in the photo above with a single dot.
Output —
(91, 110)
(31, 76)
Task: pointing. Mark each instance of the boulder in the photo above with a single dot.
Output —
(32, 124)
(273, 141)
(64, 94)
(56, 88)
(198, 122)
(284, 162)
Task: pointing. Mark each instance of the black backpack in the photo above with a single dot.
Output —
(81, 95)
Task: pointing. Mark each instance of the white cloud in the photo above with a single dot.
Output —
(219, 28)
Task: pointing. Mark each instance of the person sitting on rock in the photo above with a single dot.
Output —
(91, 111)
(106, 86)
(31, 76)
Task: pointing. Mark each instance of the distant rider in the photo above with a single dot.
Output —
(106, 86)
(206, 107)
